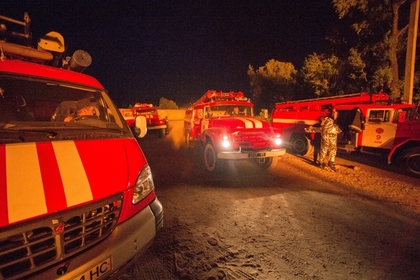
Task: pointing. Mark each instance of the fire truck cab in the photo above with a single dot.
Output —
(223, 124)
(371, 123)
(155, 124)
(77, 196)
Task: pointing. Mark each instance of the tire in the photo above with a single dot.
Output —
(268, 164)
(187, 138)
(410, 159)
(162, 132)
(301, 145)
(210, 158)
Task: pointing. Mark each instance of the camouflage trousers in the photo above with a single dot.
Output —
(328, 147)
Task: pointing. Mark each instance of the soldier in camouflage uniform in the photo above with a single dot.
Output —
(329, 133)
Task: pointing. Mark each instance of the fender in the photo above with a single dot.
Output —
(213, 133)
(416, 142)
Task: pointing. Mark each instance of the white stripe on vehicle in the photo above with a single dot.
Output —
(73, 174)
(25, 184)
(258, 123)
(295, 121)
(250, 123)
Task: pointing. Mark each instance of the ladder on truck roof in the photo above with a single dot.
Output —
(214, 95)
(353, 98)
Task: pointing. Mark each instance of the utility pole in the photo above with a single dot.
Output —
(411, 51)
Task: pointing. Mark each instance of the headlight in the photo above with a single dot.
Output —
(277, 140)
(144, 185)
(225, 141)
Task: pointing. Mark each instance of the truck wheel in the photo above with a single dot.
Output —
(266, 163)
(411, 161)
(162, 133)
(187, 138)
(210, 158)
(301, 145)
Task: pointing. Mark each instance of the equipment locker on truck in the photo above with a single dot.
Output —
(77, 198)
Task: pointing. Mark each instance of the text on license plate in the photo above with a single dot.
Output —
(253, 155)
(97, 271)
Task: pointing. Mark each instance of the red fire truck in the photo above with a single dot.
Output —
(371, 123)
(224, 125)
(77, 197)
(155, 124)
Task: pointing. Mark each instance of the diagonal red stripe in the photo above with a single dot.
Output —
(51, 179)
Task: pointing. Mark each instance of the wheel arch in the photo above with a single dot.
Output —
(396, 153)
(300, 143)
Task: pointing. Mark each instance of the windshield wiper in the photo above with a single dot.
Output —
(96, 126)
(50, 134)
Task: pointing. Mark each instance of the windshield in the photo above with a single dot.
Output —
(27, 103)
(231, 110)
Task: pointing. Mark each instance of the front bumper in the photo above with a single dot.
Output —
(154, 127)
(129, 240)
(250, 154)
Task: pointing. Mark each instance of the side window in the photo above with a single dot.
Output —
(379, 116)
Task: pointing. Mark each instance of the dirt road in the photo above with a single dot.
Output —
(298, 222)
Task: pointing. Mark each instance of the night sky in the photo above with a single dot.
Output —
(147, 49)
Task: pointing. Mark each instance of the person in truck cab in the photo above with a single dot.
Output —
(83, 109)
(237, 112)
(69, 111)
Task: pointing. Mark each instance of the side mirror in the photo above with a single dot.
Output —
(140, 126)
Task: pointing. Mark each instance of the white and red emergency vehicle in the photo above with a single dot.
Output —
(371, 123)
(155, 124)
(224, 125)
(77, 198)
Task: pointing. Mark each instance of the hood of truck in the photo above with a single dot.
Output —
(37, 179)
(239, 122)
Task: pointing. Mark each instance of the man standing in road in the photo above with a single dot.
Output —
(329, 133)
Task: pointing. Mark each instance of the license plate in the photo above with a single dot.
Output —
(97, 271)
(254, 155)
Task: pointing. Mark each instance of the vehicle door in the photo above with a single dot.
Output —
(408, 124)
(197, 117)
(379, 128)
(206, 118)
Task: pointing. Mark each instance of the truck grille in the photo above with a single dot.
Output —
(152, 121)
(32, 246)
(252, 139)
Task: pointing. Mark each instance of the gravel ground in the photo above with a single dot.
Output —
(297, 222)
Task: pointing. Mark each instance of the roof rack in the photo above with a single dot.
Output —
(50, 49)
(26, 35)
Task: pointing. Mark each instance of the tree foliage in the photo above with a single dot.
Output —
(271, 83)
(366, 52)
(321, 73)
(167, 104)
(379, 39)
